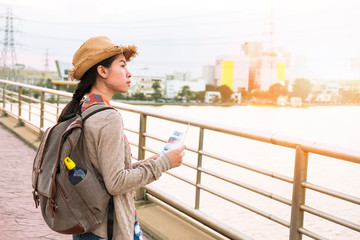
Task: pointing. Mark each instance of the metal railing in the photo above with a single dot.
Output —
(13, 98)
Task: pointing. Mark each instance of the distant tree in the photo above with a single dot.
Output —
(51, 99)
(118, 96)
(36, 95)
(301, 88)
(225, 92)
(210, 87)
(70, 88)
(200, 96)
(156, 95)
(186, 93)
(350, 96)
(276, 90)
(138, 96)
(48, 83)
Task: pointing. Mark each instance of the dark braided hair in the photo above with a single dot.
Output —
(86, 83)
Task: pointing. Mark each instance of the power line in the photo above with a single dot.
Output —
(8, 69)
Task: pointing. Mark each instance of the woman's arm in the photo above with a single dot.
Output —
(136, 164)
(115, 163)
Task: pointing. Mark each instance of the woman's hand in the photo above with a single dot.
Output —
(176, 156)
(154, 157)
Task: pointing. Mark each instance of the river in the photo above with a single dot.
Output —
(334, 125)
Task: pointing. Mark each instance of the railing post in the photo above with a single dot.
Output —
(20, 123)
(140, 194)
(4, 100)
(30, 96)
(42, 106)
(57, 106)
(298, 196)
(199, 165)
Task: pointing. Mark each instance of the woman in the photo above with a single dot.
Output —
(101, 67)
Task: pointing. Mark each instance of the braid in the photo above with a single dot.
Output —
(85, 85)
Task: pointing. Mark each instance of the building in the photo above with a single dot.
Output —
(208, 74)
(173, 87)
(233, 71)
(63, 69)
(181, 76)
(254, 51)
(144, 80)
(212, 96)
(31, 76)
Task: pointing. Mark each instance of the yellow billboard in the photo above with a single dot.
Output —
(280, 72)
(227, 72)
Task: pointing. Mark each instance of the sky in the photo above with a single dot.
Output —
(186, 35)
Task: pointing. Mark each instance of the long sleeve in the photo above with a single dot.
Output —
(113, 156)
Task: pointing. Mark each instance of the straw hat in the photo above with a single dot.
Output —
(94, 51)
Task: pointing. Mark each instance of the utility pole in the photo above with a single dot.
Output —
(47, 60)
(268, 62)
(8, 62)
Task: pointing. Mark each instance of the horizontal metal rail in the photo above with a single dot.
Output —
(330, 192)
(331, 218)
(131, 130)
(248, 167)
(15, 99)
(197, 215)
(311, 234)
(247, 186)
(246, 206)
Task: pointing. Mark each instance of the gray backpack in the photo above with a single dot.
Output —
(67, 208)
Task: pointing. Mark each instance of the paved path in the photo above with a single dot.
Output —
(19, 219)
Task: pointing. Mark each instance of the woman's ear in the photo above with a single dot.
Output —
(102, 71)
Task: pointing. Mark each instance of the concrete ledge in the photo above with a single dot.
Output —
(161, 224)
(24, 133)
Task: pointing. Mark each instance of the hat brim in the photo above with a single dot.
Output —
(79, 70)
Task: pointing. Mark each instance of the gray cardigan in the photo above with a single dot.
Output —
(110, 154)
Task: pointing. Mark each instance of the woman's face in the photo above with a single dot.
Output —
(118, 77)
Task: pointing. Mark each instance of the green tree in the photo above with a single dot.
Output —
(156, 95)
(301, 88)
(276, 90)
(118, 96)
(52, 99)
(186, 93)
(225, 92)
(210, 87)
(139, 96)
(70, 88)
(48, 83)
(200, 96)
(36, 95)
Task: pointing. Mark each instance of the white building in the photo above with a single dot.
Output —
(208, 74)
(143, 81)
(182, 76)
(173, 87)
(211, 96)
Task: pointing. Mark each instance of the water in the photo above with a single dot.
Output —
(338, 126)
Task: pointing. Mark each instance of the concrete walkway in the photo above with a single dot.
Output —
(19, 219)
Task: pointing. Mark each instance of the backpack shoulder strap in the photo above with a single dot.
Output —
(95, 108)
